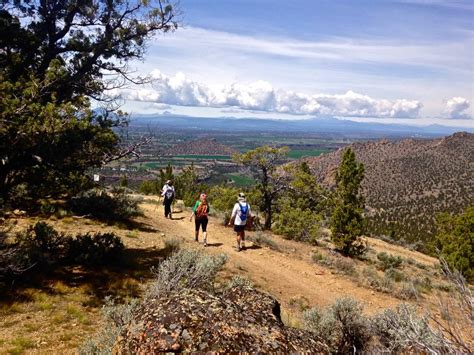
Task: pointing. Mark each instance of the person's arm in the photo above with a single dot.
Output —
(234, 212)
(194, 210)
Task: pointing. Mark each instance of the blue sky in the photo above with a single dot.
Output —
(389, 60)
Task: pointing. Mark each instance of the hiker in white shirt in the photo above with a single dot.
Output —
(240, 215)
(168, 194)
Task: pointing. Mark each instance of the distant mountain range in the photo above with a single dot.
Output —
(334, 126)
(408, 181)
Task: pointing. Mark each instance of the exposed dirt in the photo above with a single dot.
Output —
(287, 273)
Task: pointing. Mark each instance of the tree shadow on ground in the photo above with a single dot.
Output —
(254, 246)
(120, 281)
(133, 225)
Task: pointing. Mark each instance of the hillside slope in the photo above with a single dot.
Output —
(65, 311)
(408, 181)
(204, 146)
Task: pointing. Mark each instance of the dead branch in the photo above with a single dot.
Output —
(131, 150)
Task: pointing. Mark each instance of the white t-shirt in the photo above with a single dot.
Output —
(236, 212)
(167, 188)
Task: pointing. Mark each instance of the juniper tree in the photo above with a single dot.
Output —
(263, 162)
(455, 241)
(347, 221)
(55, 57)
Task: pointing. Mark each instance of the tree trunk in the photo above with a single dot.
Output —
(268, 211)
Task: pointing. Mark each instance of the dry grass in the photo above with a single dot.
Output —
(59, 313)
(20, 344)
(56, 312)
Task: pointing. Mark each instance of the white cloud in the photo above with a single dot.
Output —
(457, 107)
(452, 55)
(261, 96)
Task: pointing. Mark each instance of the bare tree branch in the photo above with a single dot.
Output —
(133, 150)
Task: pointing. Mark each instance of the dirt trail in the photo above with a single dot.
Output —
(288, 275)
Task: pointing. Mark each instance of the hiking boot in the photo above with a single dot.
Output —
(237, 248)
(205, 242)
(242, 246)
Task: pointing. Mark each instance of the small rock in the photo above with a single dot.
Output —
(372, 293)
(162, 234)
(185, 335)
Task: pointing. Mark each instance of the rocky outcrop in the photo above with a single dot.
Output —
(237, 319)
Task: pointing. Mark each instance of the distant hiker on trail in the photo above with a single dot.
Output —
(168, 194)
(241, 215)
(200, 213)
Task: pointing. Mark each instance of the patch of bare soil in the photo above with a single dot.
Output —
(61, 320)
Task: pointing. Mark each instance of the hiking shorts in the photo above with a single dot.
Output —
(198, 222)
(239, 228)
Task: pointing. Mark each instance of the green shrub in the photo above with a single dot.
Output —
(408, 291)
(239, 281)
(172, 245)
(317, 257)
(297, 224)
(260, 238)
(223, 198)
(43, 246)
(338, 263)
(186, 269)
(403, 330)
(394, 275)
(117, 316)
(97, 249)
(342, 326)
(423, 284)
(371, 278)
(99, 204)
(455, 240)
(388, 261)
(150, 187)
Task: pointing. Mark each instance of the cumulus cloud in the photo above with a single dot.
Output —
(457, 107)
(261, 96)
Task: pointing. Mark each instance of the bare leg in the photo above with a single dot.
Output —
(238, 241)
(242, 239)
(204, 235)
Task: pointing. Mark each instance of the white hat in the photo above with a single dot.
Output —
(241, 196)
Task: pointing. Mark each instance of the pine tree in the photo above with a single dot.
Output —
(347, 221)
(263, 161)
(56, 58)
(455, 241)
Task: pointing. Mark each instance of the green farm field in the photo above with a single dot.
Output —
(240, 180)
(297, 153)
(203, 157)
